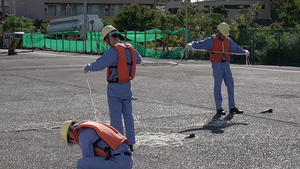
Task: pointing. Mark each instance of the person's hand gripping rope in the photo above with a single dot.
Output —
(247, 53)
(189, 46)
(85, 68)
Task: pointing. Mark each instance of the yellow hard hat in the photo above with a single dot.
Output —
(107, 29)
(65, 128)
(224, 28)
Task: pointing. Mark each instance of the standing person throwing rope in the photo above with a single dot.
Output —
(120, 61)
(220, 47)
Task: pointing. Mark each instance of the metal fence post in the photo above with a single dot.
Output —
(278, 49)
(252, 51)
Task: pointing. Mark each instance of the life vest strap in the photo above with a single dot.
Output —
(117, 65)
(113, 81)
(106, 151)
(125, 153)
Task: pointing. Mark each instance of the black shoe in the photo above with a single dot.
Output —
(221, 112)
(236, 111)
(131, 147)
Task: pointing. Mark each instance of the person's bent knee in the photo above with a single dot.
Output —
(80, 164)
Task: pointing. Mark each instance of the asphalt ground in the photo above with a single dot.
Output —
(42, 89)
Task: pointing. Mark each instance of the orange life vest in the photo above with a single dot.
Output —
(122, 67)
(221, 48)
(107, 133)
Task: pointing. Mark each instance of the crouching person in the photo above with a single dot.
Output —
(102, 146)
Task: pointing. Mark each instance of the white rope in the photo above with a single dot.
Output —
(206, 50)
(212, 100)
(95, 110)
(247, 62)
(150, 138)
(161, 139)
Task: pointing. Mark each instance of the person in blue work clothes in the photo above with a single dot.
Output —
(220, 47)
(120, 61)
(102, 146)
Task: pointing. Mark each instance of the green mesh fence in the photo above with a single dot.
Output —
(268, 47)
(62, 41)
(150, 35)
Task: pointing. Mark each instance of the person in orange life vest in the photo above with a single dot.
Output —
(221, 46)
(120, 61)
(102, 146)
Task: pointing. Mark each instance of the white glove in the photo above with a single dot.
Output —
(85, 68)
(247, 53)
(189, 45)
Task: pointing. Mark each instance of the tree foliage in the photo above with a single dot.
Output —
(288, 12)
(247, 17)
(15, 24)
(135, 17)
(290, 15)
(220, 9)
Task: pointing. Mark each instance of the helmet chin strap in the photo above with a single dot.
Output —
(219, 36)
(107, 40)
(72, 126)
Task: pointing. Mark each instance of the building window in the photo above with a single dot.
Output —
(236, 6)
(98, 10)
(53, 9)
(207, 8)
(77, 9)
(117, 9)
(173, 10)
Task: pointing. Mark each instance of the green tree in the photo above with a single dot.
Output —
(108, 21)
(167, 21)
(247, 17)
(288, 11)
(135, 17)
(43, 27)
(219, 14)
(195, 22)
(15, 24)
(290, 15)
(220, 9)
(40, 25)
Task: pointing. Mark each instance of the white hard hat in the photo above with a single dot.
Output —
(65, 128)
(107, 29)
(224, 28)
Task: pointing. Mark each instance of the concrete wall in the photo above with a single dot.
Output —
(33, 9)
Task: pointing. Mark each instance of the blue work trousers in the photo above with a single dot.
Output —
(120, 104)
(222, 71)
(121, 161)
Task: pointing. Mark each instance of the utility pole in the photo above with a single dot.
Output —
(84, 24)
(3, 10)
(14, 3)
(186, 27)
(166, 6)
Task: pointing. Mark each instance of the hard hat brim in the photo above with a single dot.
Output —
(107, 29)
(65, 128)
(225, 33)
